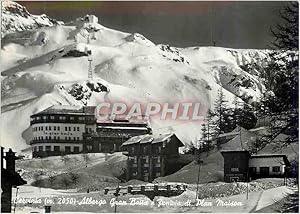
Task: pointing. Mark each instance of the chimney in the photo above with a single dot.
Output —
(10, 160)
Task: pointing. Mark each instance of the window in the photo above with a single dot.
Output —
(49, 128)
(42, 128)
(54, 128)
(56, 148)
(66, 128)
(44, 117)
(40, 148)
(78, 129)
(69, 128)
(77, 138)
(276, 169)
(132, 149)
(159, 149)
(46, 128)
(74, 129)
(38, 118)
(135, 159)
(58, 138)
(81, 118)
(68, 149)
(35, 149)
(76, 148)
(146, 149)
(48, 148)
(72, 118)
(58, 128)
(146, 159)
(62, 117)
(52, 117)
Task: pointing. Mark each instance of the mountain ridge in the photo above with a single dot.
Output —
(41, 71)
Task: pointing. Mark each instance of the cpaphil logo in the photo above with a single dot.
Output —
(141, 111)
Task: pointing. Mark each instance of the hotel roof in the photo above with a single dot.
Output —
(68, 109)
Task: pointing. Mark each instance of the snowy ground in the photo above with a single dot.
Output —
(237, 203)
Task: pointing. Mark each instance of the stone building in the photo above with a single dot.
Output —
(152, 156)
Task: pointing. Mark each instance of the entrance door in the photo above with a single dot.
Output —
(264, 171)
(234, 179)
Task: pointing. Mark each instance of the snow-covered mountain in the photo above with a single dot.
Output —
(51, 68)
(15, 18)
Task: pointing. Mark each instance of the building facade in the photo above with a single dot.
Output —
(241, 166)
(151, 156)
(59, 130)
(235, 165)
(110, 134)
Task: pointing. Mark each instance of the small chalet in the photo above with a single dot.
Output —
(151, 156)
(268, 165)
(241, 166)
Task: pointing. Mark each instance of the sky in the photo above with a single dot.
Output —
(234, 24)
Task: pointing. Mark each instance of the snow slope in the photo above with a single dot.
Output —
(42, 71)
(16, 18)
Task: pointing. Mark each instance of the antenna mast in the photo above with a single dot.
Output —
(90, 71)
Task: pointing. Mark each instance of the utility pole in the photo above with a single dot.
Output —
(116, 194)
(198, 180)
(247, 195)
(16, 200)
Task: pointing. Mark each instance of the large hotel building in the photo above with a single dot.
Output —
(62, 129)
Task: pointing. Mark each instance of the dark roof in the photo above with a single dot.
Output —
(234, 151)
(150, 138)
(68, 109)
